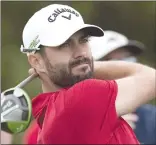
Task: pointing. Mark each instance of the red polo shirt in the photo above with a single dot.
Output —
(30, 136)
(82, 114)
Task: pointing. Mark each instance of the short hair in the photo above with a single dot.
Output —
(41, 51)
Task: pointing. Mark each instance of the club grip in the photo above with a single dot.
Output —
(27, 80)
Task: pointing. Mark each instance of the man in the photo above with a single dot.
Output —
(74, 108)
(115, 46)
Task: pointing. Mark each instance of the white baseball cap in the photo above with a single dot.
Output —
(101, 46)
(52, 26)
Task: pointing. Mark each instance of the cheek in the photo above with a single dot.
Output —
(88, 51)
(59, 60)
(57, 54)
(58, 57)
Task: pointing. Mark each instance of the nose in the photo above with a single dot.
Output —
(79, 51)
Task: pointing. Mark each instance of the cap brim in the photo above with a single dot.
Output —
(60, 36)
(135, 47)
(100, 49)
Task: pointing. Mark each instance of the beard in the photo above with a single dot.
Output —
(61, 73)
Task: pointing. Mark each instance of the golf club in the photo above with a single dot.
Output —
(16, 108)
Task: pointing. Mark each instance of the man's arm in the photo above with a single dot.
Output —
(136, 83)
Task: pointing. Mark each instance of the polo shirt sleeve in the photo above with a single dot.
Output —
(30, 136)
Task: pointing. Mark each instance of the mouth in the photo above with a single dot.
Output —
(80, 64)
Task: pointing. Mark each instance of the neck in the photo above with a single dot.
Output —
(46, 89)
(49, 86)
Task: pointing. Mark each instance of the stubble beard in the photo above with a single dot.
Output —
(61, 74)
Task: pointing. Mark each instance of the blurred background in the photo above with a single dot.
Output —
(137, 20)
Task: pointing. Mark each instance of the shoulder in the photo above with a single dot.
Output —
(93, 90)
(96, 83)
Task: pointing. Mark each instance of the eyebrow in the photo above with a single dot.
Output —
(84, 36)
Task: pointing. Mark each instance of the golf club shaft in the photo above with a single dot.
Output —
(27, 80)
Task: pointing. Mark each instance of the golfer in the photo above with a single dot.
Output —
(82, 100)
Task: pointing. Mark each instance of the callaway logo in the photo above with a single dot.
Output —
(57, 12)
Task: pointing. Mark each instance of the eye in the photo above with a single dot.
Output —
(85, 40)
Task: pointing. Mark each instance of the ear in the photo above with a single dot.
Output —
(36, 61)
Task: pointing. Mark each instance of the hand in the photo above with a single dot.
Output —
(32, 71)
(131, 119)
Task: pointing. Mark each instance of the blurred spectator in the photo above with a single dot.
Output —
(115, 46)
